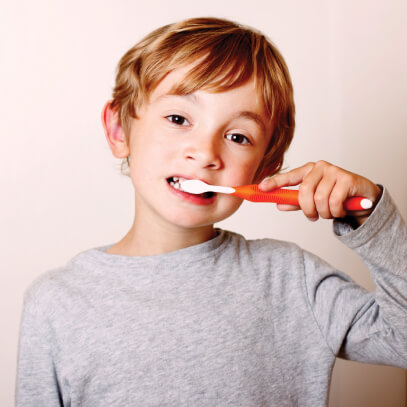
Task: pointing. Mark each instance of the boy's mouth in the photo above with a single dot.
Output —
(175, 182)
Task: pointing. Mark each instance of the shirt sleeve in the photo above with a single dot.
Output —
(358, 325)
(36, 383)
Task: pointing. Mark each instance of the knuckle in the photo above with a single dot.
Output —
(332, 170)
(319, 198)
(348, 180)
(335, 203)
(304, 187)
(309, 166)
(349, 177)
(321, 163)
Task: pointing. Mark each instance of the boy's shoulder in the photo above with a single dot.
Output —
(40, 295)
(54, 283)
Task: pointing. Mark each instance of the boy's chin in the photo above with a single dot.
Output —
(199, 222)
(193, 223)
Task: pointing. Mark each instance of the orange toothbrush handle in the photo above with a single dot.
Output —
(254, 194)
(286, 196)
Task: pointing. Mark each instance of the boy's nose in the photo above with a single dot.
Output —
(204, 153)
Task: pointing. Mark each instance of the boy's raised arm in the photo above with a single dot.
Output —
(377, 332)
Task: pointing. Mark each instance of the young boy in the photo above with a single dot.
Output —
(179, 313)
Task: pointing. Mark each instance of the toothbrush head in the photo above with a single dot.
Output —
(195, 186)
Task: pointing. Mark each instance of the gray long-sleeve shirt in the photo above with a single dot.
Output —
(229, 322)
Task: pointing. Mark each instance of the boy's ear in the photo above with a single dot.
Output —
(114, 132)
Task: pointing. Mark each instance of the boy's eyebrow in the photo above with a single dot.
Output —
(247, 114)
(190, 96)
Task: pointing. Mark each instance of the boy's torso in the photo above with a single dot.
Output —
(220, 330)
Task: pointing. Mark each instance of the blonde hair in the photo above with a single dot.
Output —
(229, 55)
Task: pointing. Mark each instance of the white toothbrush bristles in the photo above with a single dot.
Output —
(195, 186)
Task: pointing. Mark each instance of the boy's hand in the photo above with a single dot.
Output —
(324, 187)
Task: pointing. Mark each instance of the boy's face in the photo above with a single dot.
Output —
(219, 138)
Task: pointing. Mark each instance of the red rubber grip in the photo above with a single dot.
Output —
(285, 196)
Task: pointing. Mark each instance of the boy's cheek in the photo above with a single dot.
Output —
(247, 174)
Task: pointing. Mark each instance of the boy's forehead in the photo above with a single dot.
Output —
(170, 82)
(174, 80)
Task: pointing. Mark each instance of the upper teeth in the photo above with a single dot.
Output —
(175, 182)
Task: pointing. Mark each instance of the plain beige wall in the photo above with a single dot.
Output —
(61, 191)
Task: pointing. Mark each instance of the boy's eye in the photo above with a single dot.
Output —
(238, 138)
(178, 119)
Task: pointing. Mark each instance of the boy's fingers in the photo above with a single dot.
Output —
(323, 190)
(337, 199)
(286, 207)
(290, 178)
(322, 197)
(306, 196)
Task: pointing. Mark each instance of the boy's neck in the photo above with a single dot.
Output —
(156, 239)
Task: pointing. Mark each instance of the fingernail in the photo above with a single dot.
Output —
(264, 184)
(313, 219)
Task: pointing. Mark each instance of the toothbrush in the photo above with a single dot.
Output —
(254, 194)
